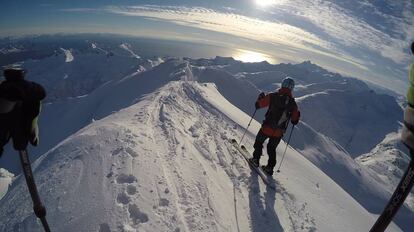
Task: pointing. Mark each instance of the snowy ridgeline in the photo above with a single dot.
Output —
(165, 164)
(73, 73)
(338, 116)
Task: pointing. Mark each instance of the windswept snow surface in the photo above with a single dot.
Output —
(389, 161)
(68, 54)
(164, 164)
(5, 180)
(127, 47)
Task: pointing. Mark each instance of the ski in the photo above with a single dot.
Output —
(268, 180)
(38, 207)
(397, 199)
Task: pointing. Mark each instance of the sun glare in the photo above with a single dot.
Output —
(250, 56)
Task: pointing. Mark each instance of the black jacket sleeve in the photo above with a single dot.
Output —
(12, 92)
(22, 91)
(37, 92)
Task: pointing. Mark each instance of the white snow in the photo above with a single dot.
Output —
(5, 180)
(181, 127)
(69, 57)
(128, 47)
(163, 164)
(10, 49)
(389, 160)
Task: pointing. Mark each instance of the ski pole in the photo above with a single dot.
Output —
(248, 126)
(287, 144)
(38, 208)
(397, 199)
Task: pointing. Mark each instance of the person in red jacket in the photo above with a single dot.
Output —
(282, 107)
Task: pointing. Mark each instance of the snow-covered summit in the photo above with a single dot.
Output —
(165, 164)
(68, 55)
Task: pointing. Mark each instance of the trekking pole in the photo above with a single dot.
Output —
(247, 126)
(287, 144)
(38, 208)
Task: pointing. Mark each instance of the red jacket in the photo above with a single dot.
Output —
(281, 107)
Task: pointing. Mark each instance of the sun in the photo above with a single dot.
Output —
(251, 56)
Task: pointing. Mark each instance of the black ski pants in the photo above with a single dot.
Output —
(271, 147)
(15, 125)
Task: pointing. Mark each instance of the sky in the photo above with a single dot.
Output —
(369, 40)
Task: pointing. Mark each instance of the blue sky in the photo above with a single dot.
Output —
(365, 39)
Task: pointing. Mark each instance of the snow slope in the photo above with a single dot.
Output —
(6, 179)
(389, 160)
(163, 164)
(71, 114)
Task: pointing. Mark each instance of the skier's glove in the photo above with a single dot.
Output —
(261, 95)
(296, 121)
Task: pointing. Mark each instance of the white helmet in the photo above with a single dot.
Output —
(288, 83)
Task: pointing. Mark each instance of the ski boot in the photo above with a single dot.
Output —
(268, 170)
(254, 161)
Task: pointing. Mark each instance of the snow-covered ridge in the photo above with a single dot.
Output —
(68, 54)
(10, 49)
(389, 160)
(338, 113)
(164, 164)
(128, 48)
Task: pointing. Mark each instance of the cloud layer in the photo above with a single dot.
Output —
(372, 39)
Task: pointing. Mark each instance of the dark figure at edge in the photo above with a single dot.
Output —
(20, 102)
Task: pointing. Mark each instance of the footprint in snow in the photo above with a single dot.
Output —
(126, 179)
(131, 152)
(104, 228)
(122, 198)
(117, 151)
(137, 215)
(131, 190)
(164, 202)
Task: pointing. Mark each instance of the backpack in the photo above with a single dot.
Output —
(280, 108)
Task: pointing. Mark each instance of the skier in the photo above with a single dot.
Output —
(19, 109)
(281, 107)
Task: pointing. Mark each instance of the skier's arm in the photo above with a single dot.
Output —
(38, 92)
(295, 114)
(407, 134)
(262, 101)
